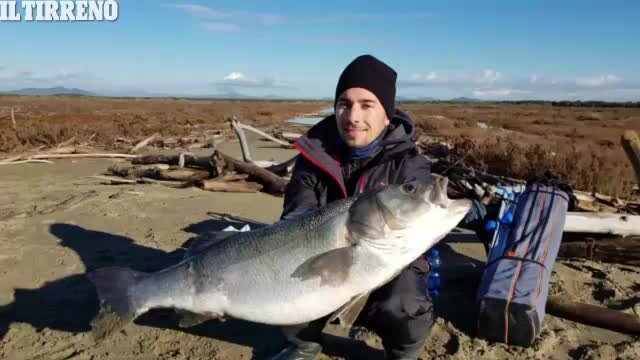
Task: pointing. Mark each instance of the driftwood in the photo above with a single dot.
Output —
(244, 145)
(114, 180)
(27, 162)
(593, 315)
(144, 143)
(204, 162)
(291, 136)
(261, 133)
(273, 183)
(631, 145)
(602, 223)
(173, 184)
(159, 173)
(221, 186)
(133, 172)
(67, 142)
(80, 156)
(13, 120)
(284, 168)
(235, 177)
(621, 251)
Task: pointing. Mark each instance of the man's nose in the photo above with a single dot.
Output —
(354, 115)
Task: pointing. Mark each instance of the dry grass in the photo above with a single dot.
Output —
(580, 144)
(52, 120)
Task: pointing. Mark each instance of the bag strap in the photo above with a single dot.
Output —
(516, 258)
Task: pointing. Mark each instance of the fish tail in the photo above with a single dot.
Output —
(117, 305)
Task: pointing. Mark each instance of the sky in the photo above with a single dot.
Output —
(494, 50)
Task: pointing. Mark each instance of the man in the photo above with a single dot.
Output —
(366, 145)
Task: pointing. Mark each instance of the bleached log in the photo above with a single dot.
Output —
(264, 134)
(244, 144)
(13, 120)
(204, 162)
(291, 136)
(27, 162)
(80, 156)
(67, 142)
(602, 223)
(144, 143)
(594, 223)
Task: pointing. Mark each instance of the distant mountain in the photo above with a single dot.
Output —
(51, 91)
(407, 98)
(466, 99)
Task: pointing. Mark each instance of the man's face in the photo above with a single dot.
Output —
(360, 117)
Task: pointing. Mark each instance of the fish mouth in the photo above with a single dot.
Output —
(460, 207)
(438, 193)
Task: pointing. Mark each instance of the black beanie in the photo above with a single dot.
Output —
(369, 73)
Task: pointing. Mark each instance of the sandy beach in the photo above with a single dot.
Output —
(56, 223)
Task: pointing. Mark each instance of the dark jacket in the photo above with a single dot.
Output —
(325, 173)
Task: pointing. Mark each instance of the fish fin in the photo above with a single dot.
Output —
(332, 267)
(202, 243)
(117, 307)
(349, 312)
(189, 319)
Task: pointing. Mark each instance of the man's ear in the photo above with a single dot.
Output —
(386, 121)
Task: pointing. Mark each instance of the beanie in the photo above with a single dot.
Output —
(369, 73)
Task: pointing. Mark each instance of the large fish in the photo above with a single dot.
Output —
(293, 271)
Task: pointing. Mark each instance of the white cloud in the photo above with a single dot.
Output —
(234, 76)
(497, 93)
(598, 81)
(237, 80)
(220, 27)
(489, 76)
(202, 11)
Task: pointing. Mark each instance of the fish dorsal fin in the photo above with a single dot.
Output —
(332, 267)
(349, 312)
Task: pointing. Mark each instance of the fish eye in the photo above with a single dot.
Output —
(410, 188)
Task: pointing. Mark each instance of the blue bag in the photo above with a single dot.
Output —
(515, 284)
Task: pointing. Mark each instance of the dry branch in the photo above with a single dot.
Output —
(273, 183)
(631, 145)
(244, 145)
(265, 135)
(80, 156)
(284, 168)
(13, 120)
(27, 162)
(67, 142)
(114, 180)
(242, 187)
(159, 173)
(204, 162)
(144, 143)
(593, 315)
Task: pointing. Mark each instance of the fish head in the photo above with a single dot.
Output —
(413, 215)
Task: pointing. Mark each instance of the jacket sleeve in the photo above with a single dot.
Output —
(301, 194)
(415, 167)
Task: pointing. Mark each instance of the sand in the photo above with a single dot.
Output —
(56, 224)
